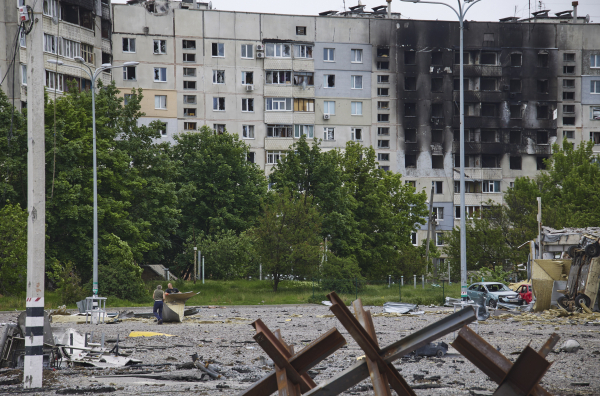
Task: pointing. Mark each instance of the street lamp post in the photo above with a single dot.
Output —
(93, 75)
(460, 13)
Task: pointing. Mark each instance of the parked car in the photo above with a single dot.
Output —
(490, 293)
(525, 294)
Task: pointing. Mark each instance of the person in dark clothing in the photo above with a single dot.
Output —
(159, 296)
(171, 290)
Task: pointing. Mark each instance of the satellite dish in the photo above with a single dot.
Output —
(210, 5)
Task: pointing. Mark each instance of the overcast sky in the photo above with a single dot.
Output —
(486, 10)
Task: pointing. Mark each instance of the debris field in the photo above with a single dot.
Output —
(214, 353)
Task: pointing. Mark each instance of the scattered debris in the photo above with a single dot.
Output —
(148, 334)
(438, 349)
(402, 308)
(91, 389)
(570, 346)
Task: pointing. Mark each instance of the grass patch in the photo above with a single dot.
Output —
(255, 292)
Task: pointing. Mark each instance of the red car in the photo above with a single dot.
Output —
(525, 294)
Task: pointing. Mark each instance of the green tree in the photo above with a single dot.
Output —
(287, 237)
(67, 282)
(13, 154)
(218, 188)
(13, 250)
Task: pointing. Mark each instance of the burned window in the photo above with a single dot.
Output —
(541, 163)
(383, 131)
(410, 109)
(410, 135)
(251, 157)
(542, 86)
(383, 52)
(466, 58)
(489, 161)
(437, 135)
(437, 58)
(568, 83)
(301, 30)
(489, 136)
(457, 84)
(542, 137)
(515, 86)
(515, 163)
(568, 109)
(516, 112)
(70, 13)
(488, 58)
(383, 118)
(516, 59)
(568, 69)
(410, 161)
(105, 25)
(437, 162)
(542, 112)
(488, 39)
(383, 144)
(410, 57)
(86, 19)
(410, 83)
(569, 121)
(488, 84)
(568, 95)
(437, 85)
(106, 58)
(488, 109)
(383, 65)
(515, 137)
(542, 59)
(328, 80)
(437, 110)
(569, 57)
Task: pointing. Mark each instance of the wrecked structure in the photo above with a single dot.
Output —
(373, 78)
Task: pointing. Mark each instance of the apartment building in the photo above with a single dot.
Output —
(72, 29)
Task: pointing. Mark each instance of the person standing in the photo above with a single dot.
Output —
(171, 289)
(159, 296)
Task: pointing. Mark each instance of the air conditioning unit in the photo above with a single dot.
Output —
(326, 116)
(260, 55)
(260, 47)
(249, 88)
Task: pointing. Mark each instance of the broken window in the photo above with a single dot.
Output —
(567, 109)
(128, 44)
(488, 110)
(329, 81)
(569, 134)
(466, 58)
(457, 84)
(188, 44)
(383, 65)
(595, 137)
(488, 58)
(106, 57)
(248, 133)
(219, 128)
(86, 19)
(218, 76)
(516, 59)
(568, 95)
(129, 73)
(489, 161)
(189, 112)
(105, 25)
(218, 104)
(303, 51)
(438, 187)
(437, 110)
(383, 131)
(542, 137)
(437, 162)
(516, 111)
(569, 121)
(488, 84)
(542, 86)
(189, 85)
(301, 30)
(383, 105)
(160, 74)
(356, 135)
(542, 112)
(515, 163)
(304, 78)
(489, 136)
(594, 113)
(410, 161)
(247, 78)
(278, 77)
(515, 86)
(70, 13)
(190, 126)
(488, 39)
(569, 57)
(541, 163)
(328, 133)
(383, 52)
(189, 58)
(383, 79)
(383, 144)
(568, 69)
(437, 85)
(410, 109)
(380, 117)
(410, 83)
(515, 137)
(383, 157)
(189, 99)
(410, 135)
(437, 58)
(568, 83)
(437, 135)
(160, 47)
(542, 60)
(218, 49)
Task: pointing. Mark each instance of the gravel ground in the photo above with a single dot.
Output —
(223, 336)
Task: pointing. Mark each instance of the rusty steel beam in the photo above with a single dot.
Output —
(285, 387)
(524, 375)
(304, 360)
(488, 359)
(549, 345)
(359, 371)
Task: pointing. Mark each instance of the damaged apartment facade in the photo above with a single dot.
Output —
(72, 28)
(374, 78)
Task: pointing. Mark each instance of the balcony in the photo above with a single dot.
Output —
(479, 70)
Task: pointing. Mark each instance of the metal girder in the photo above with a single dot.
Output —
(302, 361)
(359, 371)
(531, 366)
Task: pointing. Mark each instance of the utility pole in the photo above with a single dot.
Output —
(36, 203)
(429, 232)
(539, 220)
(195, 264)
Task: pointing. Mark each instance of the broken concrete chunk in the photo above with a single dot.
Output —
(570, 346)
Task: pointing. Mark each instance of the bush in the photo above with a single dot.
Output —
(13, 250)
(68, 282)
(341, 275)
